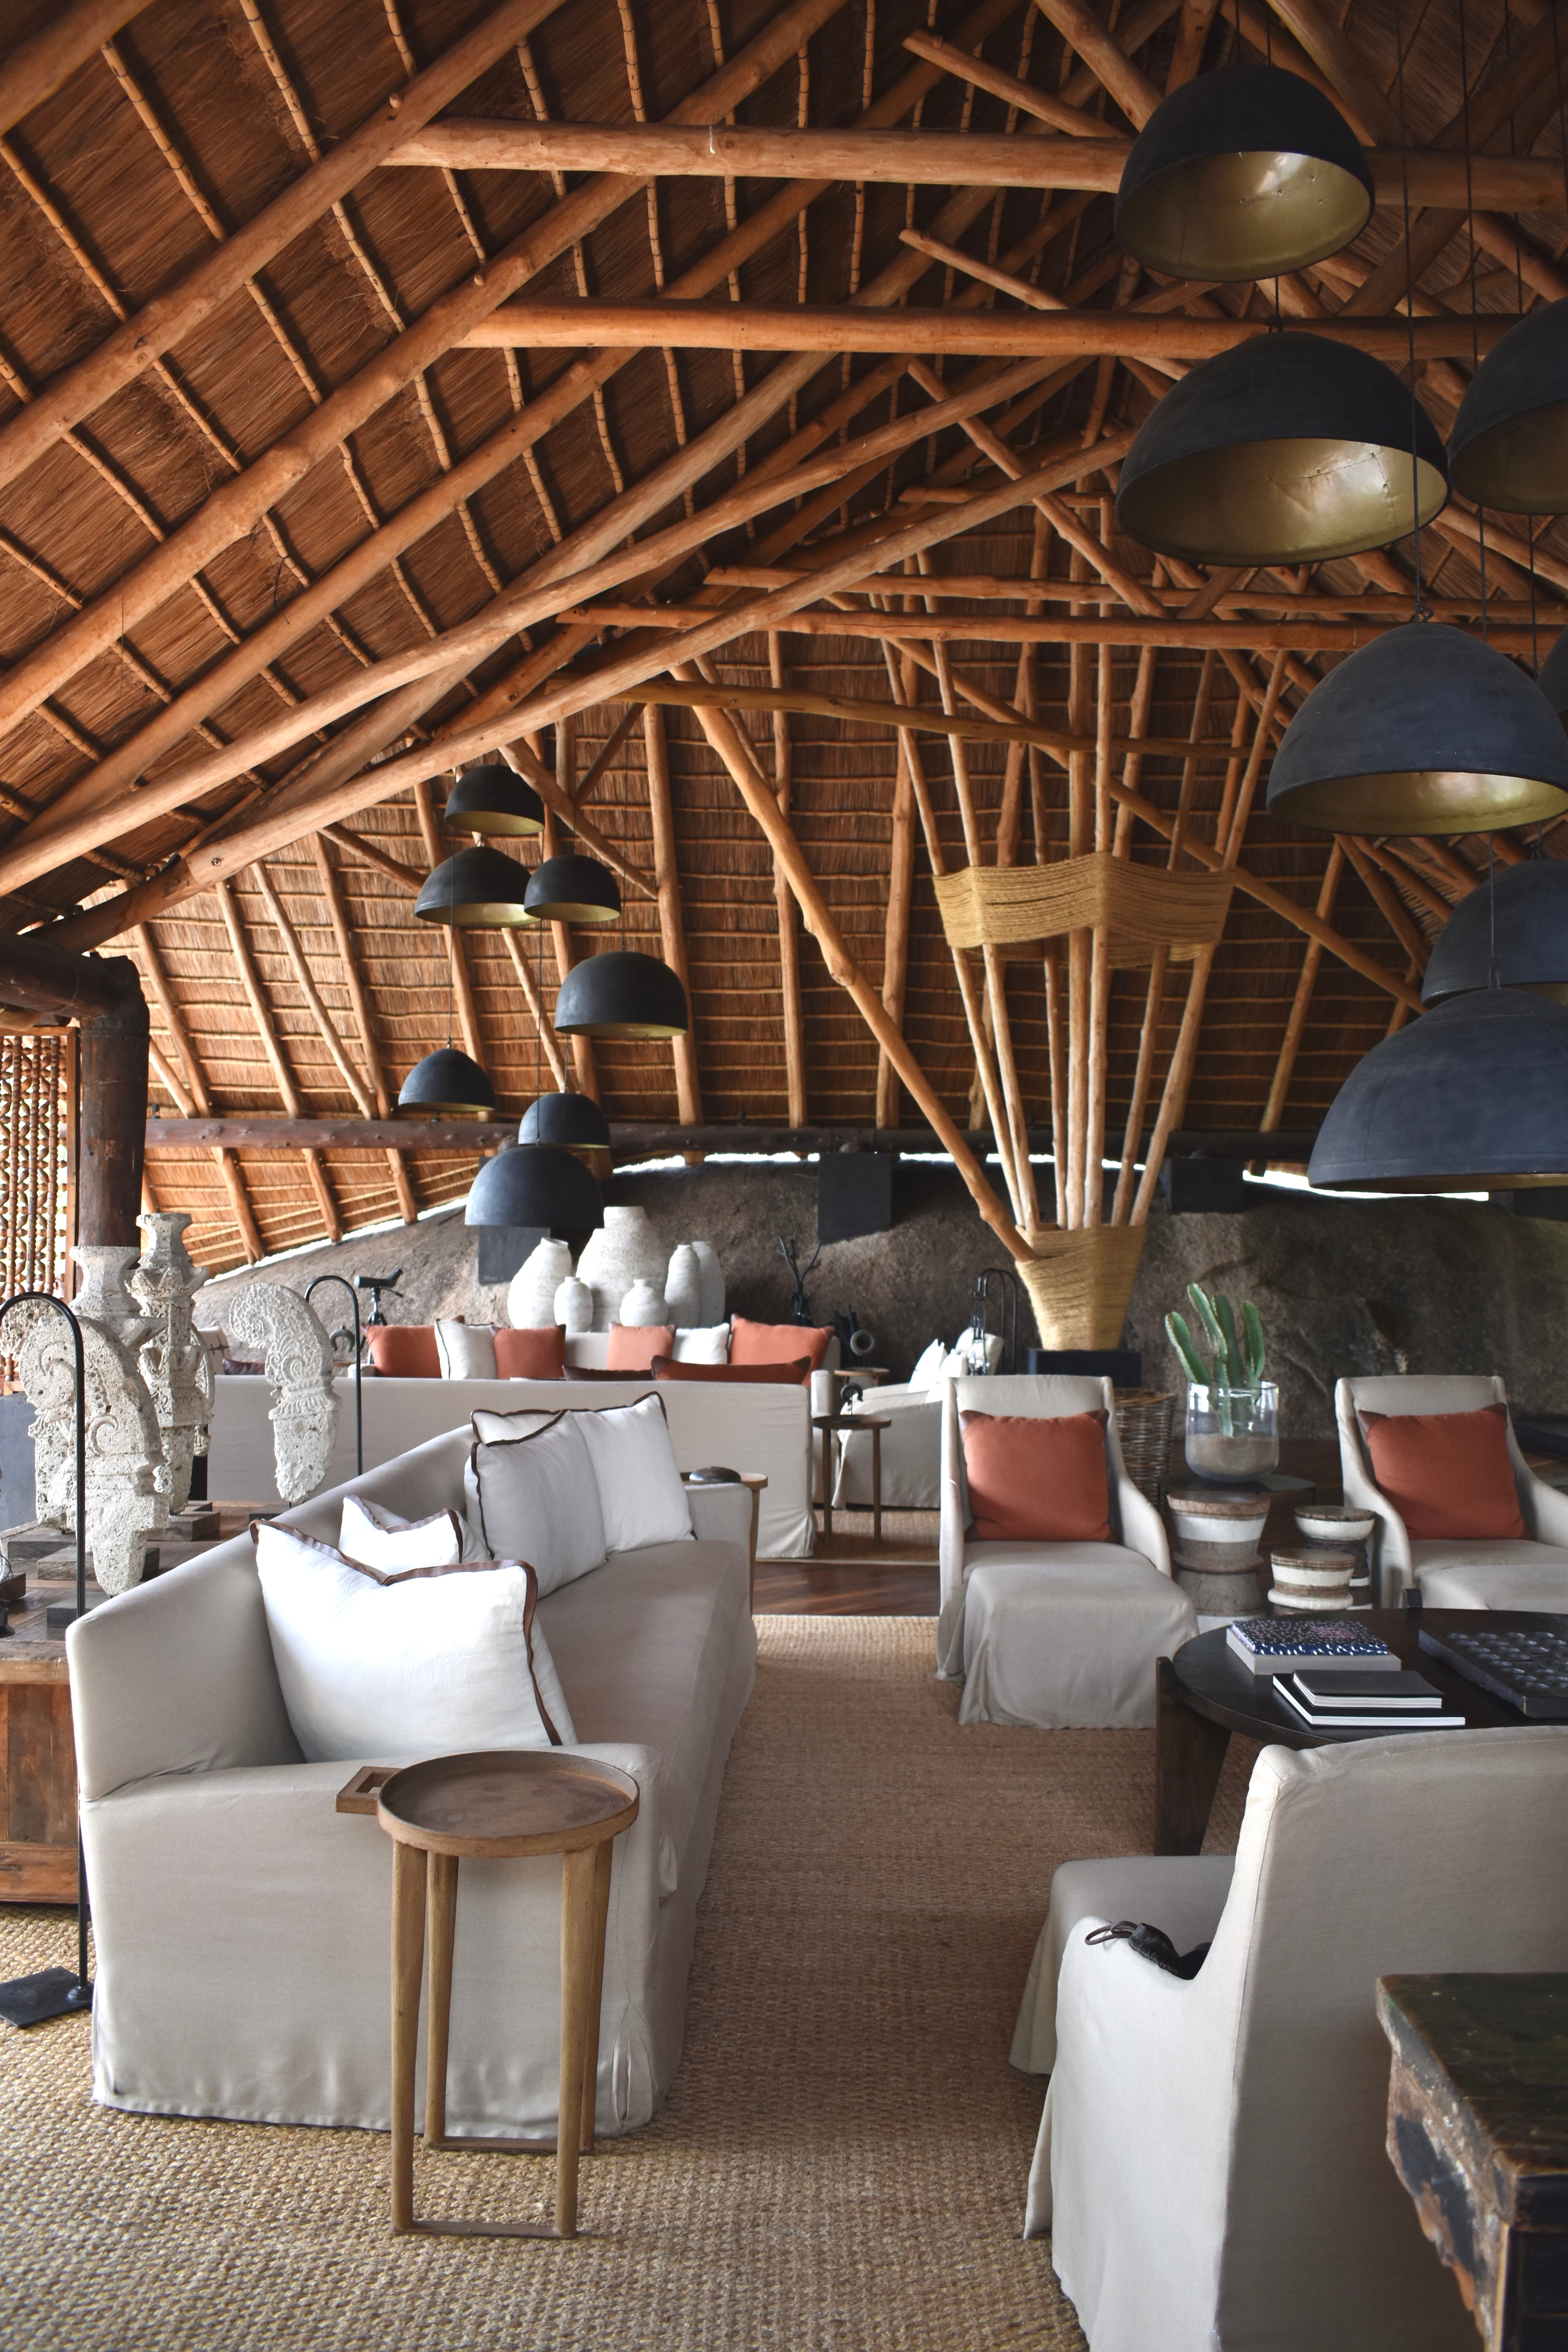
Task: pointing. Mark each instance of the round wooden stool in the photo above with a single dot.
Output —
(512, 1801)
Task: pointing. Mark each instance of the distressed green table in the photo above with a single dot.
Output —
(1478, 2131)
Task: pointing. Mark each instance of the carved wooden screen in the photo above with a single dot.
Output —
(35, 1159)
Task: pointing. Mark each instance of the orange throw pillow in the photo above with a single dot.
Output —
(634, 1346)
(531, 1354)
(1034, 1481)
(665, 1368)
(405, 1351)
(778, 1343)
(1446, 1473)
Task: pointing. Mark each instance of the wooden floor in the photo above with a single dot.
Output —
(853, 1575)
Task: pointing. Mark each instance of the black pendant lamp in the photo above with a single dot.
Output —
(1509, 447)
(1551, 677)
(493, 798)
(572, 889)
(1426, 730)
(446, 1084)
(477, 891)
(575, 1122)
(1518, 924)
(626, 995)
(1289, 449)
(535, 1184)
(1473, 1097)
(1240, 174)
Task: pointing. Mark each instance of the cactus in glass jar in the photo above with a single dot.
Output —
(1238, 1351)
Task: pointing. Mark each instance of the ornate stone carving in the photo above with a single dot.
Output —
(174, 1359)
(298, 1362)
(126, 1479)
(101, 1293)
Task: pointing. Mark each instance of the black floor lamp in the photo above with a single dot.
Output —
(55, 1992)
(344, 1284)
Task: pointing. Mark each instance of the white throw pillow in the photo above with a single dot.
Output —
(927, 1370)
(386, 1669)
(377, 1538)
(533, 1495)
(466, 1350)
(703, 1343)
(640, 1492)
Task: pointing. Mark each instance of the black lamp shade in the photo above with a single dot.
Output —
(1473, 1097)
(1524, 913)
(1551, 677)
(1426, 730)
(446, 1084)
(493, 798)
(1509, 447)
(1289, 449)
(575, 1122)
(1240, 174)
(535, 1184)
(477, 891)
(572, 889)
(626, 995)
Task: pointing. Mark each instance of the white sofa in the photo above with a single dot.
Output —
(1054, 1635)
(1529, 1572)
(748, 1425)
(1211, 2163)
(243, 1924)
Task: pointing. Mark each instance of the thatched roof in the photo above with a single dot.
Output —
(137, 164)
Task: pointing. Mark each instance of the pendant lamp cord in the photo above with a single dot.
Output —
(1475, 330)
(451, 948)
(1420, 613)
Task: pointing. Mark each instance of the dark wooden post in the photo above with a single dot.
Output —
(106, 998)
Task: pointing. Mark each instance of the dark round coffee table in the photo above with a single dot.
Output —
(1205, 1692)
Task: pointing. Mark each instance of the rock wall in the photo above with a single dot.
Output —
(1342, 1285)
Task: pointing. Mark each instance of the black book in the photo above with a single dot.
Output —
(1356, 1717)
(1404, 1693)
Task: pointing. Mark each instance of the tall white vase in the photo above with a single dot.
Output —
(683, 1287)
(530, 1300)
(623, 1250)
(712, 1282)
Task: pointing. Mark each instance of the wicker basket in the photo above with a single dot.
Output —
(1143, 1419)
(1079, 1283)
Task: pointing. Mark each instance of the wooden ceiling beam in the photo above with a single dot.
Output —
(353, 981)
(671, 927)
(39, 66)
(222, 1158)
(272, 1046)
(359, 1093)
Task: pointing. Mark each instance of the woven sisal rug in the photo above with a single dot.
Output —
(841, 2163)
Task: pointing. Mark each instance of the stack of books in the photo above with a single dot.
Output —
(1344, 1701)
(1278, 1646)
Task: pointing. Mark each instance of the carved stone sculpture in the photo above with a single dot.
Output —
(275, 1322)
(101, 1294)
(127, 1498)
(174, 1360)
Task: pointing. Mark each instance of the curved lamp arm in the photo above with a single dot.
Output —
(344, 1284)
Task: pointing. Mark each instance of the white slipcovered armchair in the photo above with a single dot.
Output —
(1211, 2163)
(1054, 1635)
(1524, 1572)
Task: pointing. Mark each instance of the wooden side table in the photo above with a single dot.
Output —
(753, 1481)
(508, 1802)
(837, 1426)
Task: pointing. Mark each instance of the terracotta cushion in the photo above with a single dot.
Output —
(1446, 1473)
(665, 1368)
(535, 1354)
(634, 1346)
(778, 1343)
(405, 1351)
(1036, 1481)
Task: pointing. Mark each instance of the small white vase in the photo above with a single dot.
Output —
(712, 1305)
(573, 1306)
(683, 1289)
(530, 1300)
(624, 1250)
(642, 1305)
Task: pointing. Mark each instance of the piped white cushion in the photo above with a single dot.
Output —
(641, 1497)
(466, 1350)
(532, 1494)
(384, 1670)
(377, 1538)
(704, 1343)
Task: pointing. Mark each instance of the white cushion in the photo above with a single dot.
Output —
(703, 1343)
(428, 1663)
(964, 1361)
(377, 1538)
(466, 1350)
(928, 1368)
(640, 1494)
(1506, 1574)
(534, 1496)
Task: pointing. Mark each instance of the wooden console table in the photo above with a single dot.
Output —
(37, 1758)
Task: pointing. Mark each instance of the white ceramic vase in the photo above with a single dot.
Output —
(713, 1302)
(530, 1300)
(573, 1306)
(683, 1287)
(623, 1250)
(643, 1306)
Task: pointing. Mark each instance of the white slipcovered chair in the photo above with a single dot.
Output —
(1054, 1635)
(1524, 1572)
(1211, 2163)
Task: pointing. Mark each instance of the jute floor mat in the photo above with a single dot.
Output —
(840, 2164)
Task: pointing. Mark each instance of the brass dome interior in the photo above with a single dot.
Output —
(1242, 216)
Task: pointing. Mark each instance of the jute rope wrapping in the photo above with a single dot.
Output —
(1140, 908)
(1079, 1283)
